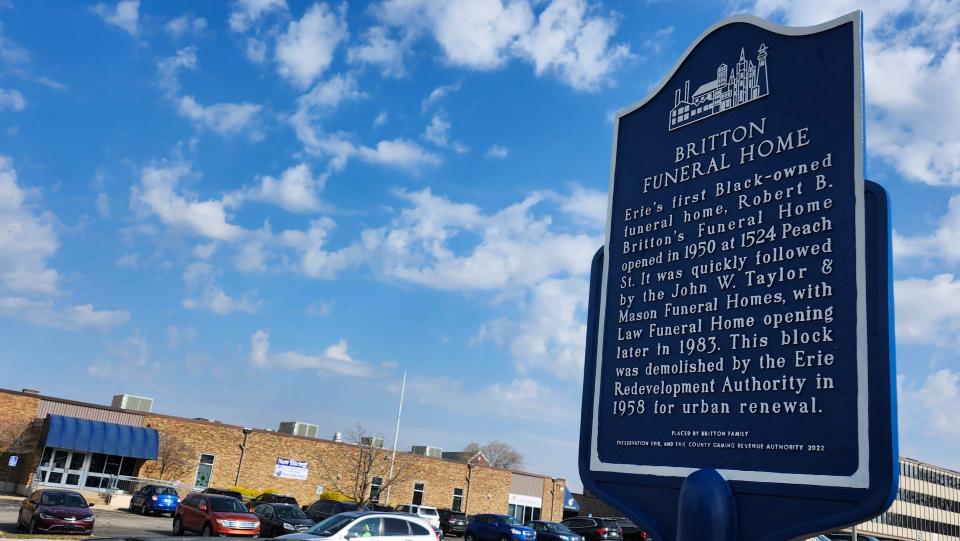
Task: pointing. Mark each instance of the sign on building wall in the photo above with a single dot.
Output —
(739, 317)
(291, 469)
(12, 461)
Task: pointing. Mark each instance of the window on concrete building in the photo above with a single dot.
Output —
(418, 493)
(457, 500)
(375, 484)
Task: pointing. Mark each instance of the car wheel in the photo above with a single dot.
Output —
(504, 538)
(207, 531)
(177, 526)
(468, 537)
(143, 508)
(19, 523)
(33, 526)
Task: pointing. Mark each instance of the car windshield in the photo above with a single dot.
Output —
(612, 524)
(349, 506)
(227, 505)
(166, 490)
(556, 527)
(284, 511)
(511, 521)
(329, 526)
(66, 500)
(428, 511)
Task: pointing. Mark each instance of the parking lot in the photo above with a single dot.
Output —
(110, 522)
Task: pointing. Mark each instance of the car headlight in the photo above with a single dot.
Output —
(47, 517)
(223, 522)
(515, 531)
(288, 526)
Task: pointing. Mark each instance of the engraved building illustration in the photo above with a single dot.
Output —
(735, 86)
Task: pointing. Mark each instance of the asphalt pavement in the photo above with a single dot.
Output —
(110, 522)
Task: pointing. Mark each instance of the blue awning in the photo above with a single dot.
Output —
(101, 437)
(568, 502)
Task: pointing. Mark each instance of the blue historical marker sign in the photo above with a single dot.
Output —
(740, 318)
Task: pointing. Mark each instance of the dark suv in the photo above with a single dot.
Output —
(452, 522)
(322, 509)
(595, 528)
(268, 497)
(223, 492)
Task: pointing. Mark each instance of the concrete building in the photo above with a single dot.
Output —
(47, 441)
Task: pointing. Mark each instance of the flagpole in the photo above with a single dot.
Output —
(396, 434)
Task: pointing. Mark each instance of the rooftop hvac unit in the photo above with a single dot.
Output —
(132, 403)
(298, 428)
(371, 442)
(338, 436)
(427, 450)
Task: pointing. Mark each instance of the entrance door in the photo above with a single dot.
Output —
(61, 467)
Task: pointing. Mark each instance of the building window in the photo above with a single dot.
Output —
(375, 485)
(457, 500)
(204, 471)
(418, 493)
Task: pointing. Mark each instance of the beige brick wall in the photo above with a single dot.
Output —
(486, 492)
(17, 422)
(552, 508)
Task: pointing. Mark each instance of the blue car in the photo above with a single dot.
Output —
(553, 531)
(497, 528)
(155, 499)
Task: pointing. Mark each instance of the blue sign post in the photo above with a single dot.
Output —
(739, 381)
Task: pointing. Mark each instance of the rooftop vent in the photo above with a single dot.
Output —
(427, 450)
(297, 428)
(371, 441)
(132, 403)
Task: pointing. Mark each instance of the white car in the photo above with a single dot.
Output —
(360, 524)
(427, 513)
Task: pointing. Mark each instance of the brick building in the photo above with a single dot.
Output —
(101, 449)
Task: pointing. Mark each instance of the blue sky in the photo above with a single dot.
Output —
(266, 210)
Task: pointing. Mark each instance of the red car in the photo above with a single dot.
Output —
(214, 515)
(56, 511)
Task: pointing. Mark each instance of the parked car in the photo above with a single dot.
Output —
(56, 511)
(629, 530)
(553, 531)
(268, 497)
(356, 524)
(428, 513)
(214, 515)
(155, 499)
(595, 528)
(322, 509)
(497, 528)
(452, 522)
(281, 518)
(223, 492)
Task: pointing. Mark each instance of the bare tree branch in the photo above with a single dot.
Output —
(175, 459)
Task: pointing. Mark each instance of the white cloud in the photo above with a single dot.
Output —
(438, 130)
(169, 68)
(315, 260)
(256, 50)
(295, 190)
(380, 50)
(12, 99)
(928, 310)
(943, 243)
(157, 194)
(566, 40)
(178, 336)
(399, 153)
(244, 13)
(73, 318)
(912, 69)
(438, 94)
(185, 24)
(934, 407)
(320, 308)
(125, 15)
(497, 151)
(515, 247)
(27, 242)
(128, 361)
(103, 205)
(381, 119)
(223, 118)
(521, 399)
(335, 360)
(586, 206)
(201, 277)
(306, 49)
(128, 261)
